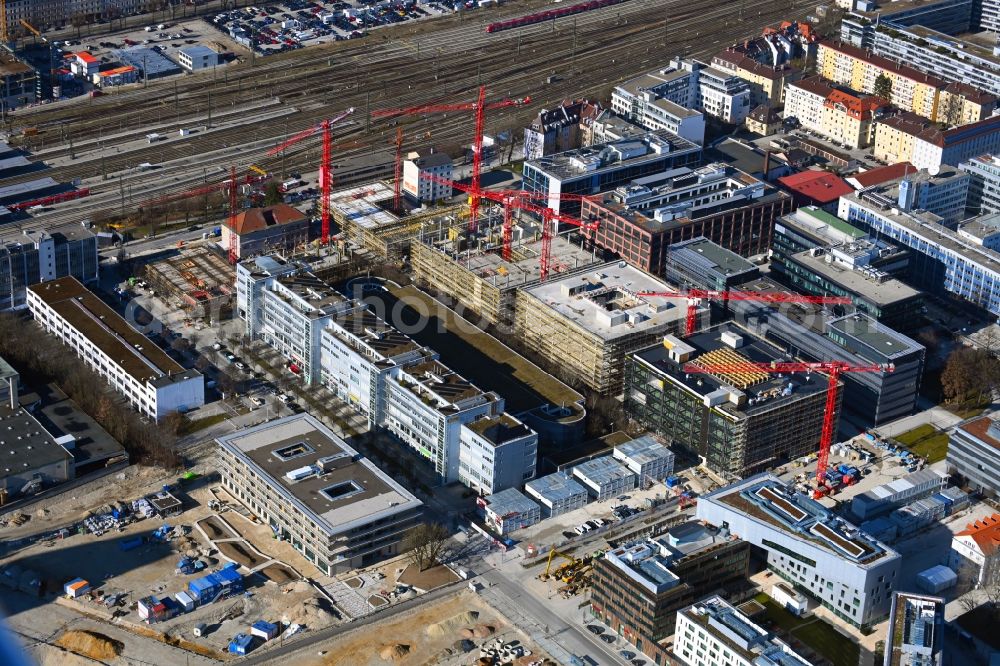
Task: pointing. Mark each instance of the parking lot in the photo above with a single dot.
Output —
(294, 24)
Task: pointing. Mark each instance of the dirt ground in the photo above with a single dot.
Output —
(278, 574)
(216, 529)
(429, 579)
(238, 552)
(363, 647)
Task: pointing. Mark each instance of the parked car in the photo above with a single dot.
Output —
(257, 400)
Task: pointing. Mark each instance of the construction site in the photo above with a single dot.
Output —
(476, 274)
(197, 280)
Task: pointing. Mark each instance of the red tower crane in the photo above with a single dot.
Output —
(480, 107)
(520, 199)
(397, 183)
(694, 295)
(325, 170)
(233, 205)
(833, 368)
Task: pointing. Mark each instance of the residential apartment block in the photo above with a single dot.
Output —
(559, 129)
(912, 90)
(638, 588)
(768, 83)
(835, 112)
(31, 257)
(154, 384)
(906, 137)
(740, 423)
(640, 221)
(334, 506)
(641, 101)
(713, 633)
(603, 167)
(420, 174)
(818, 553)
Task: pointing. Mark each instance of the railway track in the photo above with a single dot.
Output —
(591, 51)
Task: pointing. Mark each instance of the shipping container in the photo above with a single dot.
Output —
(185, 600)
(130, 543)
(241, 644)
(76, 588)
(265, 630)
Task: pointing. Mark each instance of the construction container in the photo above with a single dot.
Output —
(151, 609)
(185, 601)
(76, 588)
(936, 579)
(219, 583)
(200, 629)
(265, 630)
(240, 645)
(130, 543)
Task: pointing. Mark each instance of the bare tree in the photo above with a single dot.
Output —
(425, 543)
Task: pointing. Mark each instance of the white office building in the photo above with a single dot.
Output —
(496, 453)
(197, 57)
(688, 84)
(359, 352)
(713, 633)
(984, 186)
(287, 307)
(818, 553)
(154, 384)
(419, 173)
(960, 262)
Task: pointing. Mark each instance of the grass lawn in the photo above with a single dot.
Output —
(965, 412)
(818, 634)
(202, 423)
(925, 441)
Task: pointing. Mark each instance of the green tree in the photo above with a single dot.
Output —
(970, 374)
(883, 86)
(272, 193)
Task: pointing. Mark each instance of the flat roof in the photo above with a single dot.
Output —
(28, 189)
(61, 416)
(108, 331)
(510, 502)
(590, 161)
(602, 470)
(275, 448)
(439, 386)
(821, 186)
(150, 61)
(701, 251)
(555, 487)
(885, 292)
(644, 449)
(754, 392)
(499, 430)
(604, 304)
(743, 156)
(738, 632)
(371, 335)
(820, 223)
(873, 335)
(197, 51)
(767, 500)
(928, 226)
(313, 293)
(365, 205)
(25, 445)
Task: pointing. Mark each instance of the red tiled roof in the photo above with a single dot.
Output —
(820, 186)
(256, 219)
(881, 175)
(856, 105)
(985, 532)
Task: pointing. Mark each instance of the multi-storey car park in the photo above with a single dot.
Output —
(818, 553)
(153, 383)
(333, 505)
(741, 423)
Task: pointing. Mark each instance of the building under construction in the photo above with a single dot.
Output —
(480, 279)
(586, 323)
(739, 422)
(198, 280)
(365, 217)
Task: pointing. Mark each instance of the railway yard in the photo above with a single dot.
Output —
(236, 114)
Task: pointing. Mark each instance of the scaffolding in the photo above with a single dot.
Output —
(198, 279)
